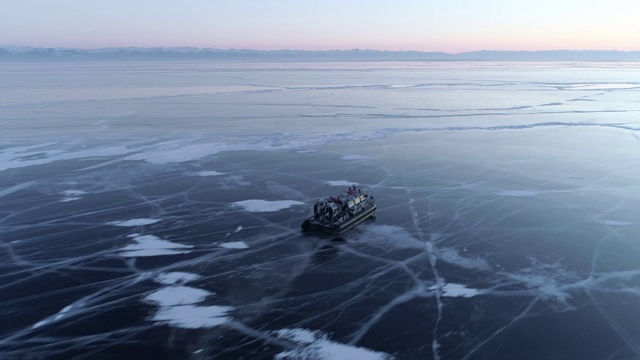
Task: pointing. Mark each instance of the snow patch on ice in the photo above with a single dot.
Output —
(546, 280)
(297, 335)
(177, 306)
(176, 277)
(316, 345)
(456, 290)
(265, 205)
(210, 173)
(72, 195)
(339, 182)
(452, 256)
(177, 295)
(151, 245)
(601, 86)
(73, 192)
(193, 316)
(134, 222)
(235, 245)
(153, 252)
(616, 223)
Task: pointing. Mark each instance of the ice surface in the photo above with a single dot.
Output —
(519, 193)
(20, 157)
(353, 157)
(178, 151)
(388, 237)
(616, 223)
(507, 198)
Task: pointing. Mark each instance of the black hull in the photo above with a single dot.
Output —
(311, 225)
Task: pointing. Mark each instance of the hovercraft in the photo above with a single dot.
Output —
(337, 214)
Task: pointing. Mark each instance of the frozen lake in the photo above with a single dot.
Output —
(153, 210)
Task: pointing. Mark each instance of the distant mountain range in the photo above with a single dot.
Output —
(18, 53)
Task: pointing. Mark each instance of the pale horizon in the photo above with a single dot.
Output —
(406, 25)
(8, 46)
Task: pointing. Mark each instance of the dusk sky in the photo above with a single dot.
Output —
(427, 25)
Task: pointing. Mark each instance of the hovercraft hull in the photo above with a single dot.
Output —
(311, 225)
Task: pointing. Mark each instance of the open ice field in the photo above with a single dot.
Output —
(152, 210)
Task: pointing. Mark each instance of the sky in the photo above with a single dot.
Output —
(450, 26)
